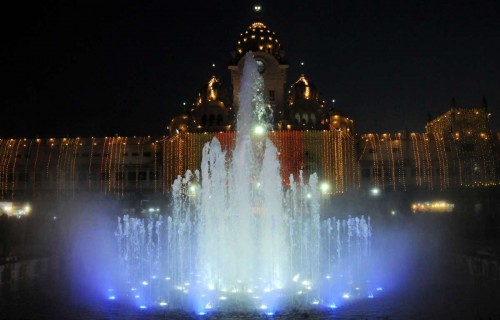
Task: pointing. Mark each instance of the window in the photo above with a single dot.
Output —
(24, 176)
(468, 147)
(142, 175)
(154, 176)
(271, 95)
(146, 154)
(365, 173)
(131, 176)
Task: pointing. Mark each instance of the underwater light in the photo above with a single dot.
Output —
(332, 306)
(143, 307)
(111, 297)
(163, 304)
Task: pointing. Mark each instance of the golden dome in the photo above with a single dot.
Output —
(303, 89)
(258, 37)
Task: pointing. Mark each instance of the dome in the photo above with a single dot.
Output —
(258, 37)
(180, 123)
(212, 91)
(210, 112)
(303, 89)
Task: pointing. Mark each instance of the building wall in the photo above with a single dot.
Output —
(119, 166)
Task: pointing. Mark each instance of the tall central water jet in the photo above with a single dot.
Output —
(244, 229)
(236, 239)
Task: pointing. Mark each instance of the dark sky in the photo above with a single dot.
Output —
(85, 68)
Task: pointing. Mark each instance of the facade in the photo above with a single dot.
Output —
(458, 149)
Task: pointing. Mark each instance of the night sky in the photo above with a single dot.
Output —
(84, 68)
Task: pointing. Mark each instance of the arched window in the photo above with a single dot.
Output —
(211, 120)
(219, 120)
(313, 118)
(297, 119)
(203, 120)
(305, 118)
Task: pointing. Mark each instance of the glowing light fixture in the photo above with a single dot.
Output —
(259, 130)
(325, 187)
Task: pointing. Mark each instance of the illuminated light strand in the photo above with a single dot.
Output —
(391, 163)
(91, 159)
(402, 165)
(374, 160)
(102, 171)
(73, 165)
(416, 158)
(428, 162)
(437, 143)
(116, 157)
(27, 157)
(121, 166)
(125, 144)
(379, 150)
(5, 170)
(39, 142)
(7, 166)
(3, 156)
(14, 170)
(155, 166)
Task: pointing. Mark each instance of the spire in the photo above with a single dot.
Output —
(484, 103)
(453, 103)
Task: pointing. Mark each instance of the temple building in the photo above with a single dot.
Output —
(457, 149)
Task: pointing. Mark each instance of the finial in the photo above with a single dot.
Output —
(257, 8)
(484, 103)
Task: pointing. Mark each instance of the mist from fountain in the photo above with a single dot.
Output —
(237, 239)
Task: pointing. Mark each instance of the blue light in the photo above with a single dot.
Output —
(111, 297)
(270, 313)
(201, 313)
(143, 307)
(332, 306)
(370, 296)
(379, 289)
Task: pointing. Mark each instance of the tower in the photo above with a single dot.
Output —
(269, 54)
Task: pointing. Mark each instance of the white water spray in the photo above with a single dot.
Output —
(237, 239)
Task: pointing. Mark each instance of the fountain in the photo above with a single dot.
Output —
(237, 239)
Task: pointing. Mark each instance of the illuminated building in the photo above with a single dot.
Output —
(457, 150)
